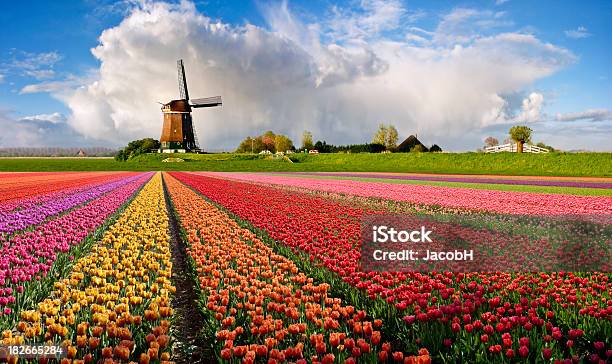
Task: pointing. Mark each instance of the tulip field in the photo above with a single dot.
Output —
(96, 263)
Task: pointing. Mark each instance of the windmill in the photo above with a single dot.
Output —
(177, 132)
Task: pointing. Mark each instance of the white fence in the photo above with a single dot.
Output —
(511, 147)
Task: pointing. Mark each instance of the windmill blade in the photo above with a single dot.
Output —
(182, 80)
(206, 102)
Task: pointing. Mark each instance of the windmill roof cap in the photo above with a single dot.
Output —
(180, 105)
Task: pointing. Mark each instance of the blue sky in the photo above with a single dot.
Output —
(562, 48)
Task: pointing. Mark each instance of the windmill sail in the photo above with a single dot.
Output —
(206, 102)
(182, 80)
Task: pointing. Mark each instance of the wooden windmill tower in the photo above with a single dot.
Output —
(177, 132)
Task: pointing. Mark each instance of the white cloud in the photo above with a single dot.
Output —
(380, 15)
(587, 130)
(327, 63)
(500, 2)
(587, 115)
(531, 108)
(411, 37)
(54, 118)
(113, 7)
(298, 75)
(578, 33)
(464, 25)
(36, 65)
(40, 130)
(579, 135)
(369, 20)
(69, 84)
(1, 78)
(52, 86)
(420, 31)
(40, 74)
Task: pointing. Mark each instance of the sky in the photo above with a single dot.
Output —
(92, 73)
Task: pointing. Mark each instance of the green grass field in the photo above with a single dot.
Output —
(553, 164)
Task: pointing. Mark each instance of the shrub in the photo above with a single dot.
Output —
(136, 148)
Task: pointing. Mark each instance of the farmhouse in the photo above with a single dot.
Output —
(410, 143)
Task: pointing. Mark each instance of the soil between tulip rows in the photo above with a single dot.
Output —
(188, 320)
(396, 334)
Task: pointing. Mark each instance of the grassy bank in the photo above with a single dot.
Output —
(553, 164)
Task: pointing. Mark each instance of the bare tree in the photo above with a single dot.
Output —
(391, 140)
(491, 141)
(380, 137)
(307, 142)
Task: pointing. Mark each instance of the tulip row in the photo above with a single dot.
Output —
(504, 202)
(21, 174)
(115, 303)
(261, 306)
(469, 179)
(32, 259)
(15, 190)
(472, 316)
(35, 197)
(35, 213)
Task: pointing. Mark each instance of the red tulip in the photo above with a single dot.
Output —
(523, 351)
(547, 353)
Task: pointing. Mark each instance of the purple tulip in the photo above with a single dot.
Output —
(13, 221)
(29, 255)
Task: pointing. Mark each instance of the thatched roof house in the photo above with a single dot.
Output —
(410, 143)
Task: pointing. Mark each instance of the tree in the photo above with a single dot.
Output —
(417, 149)
(269, 141)
(386, 135)
(491, 141)
(543, 145)
(323, 147)
(435, 148)
(391, 139)
(307, 140)
(137, 147)
(282, 143)
(380, 137)
(120, 156)
(521, 135)
(375, 148)
(246, 146)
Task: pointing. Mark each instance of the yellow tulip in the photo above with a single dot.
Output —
(127, 268)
